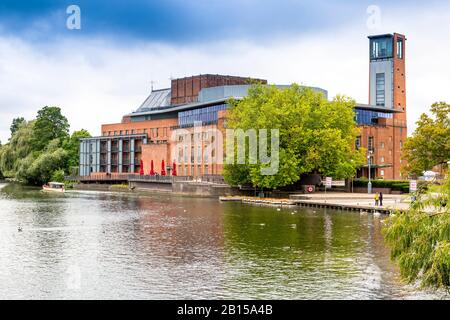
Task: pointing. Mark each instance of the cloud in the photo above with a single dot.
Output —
(97, 79)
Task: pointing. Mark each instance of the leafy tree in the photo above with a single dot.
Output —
(18, 148)
(430, 143)
(420, 239)
(315, 135)
(50, 124)
(72, 145)
(41, 149)
(58, 175)
(38, 168)
(16, 123)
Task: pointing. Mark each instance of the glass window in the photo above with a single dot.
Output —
(400, 48)
(369, 117)
(203, 115)
(381, 48)
(370, 144)
(380, 87)
(358, 142)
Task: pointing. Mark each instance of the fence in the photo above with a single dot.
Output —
(125, 177)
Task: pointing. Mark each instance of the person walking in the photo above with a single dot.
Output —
(381, 199)
(377, 198)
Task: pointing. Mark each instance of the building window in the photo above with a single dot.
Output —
(380, 89)
(370, 144)
(358, 142)
(381, 48)
(205, 154)
(199, 154)
(203, 115)
(382, 173)
(401, 144)
(400, 48)
(381, 145)
(369, 117)
(382, 159)
(205, 169)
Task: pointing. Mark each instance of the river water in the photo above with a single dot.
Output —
(98, 245)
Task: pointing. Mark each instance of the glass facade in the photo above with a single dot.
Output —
(369, 117)
(205, 115)
(381, 48)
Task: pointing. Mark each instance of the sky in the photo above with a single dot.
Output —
(105, 69)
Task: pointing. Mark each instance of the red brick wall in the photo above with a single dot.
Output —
(185, 90)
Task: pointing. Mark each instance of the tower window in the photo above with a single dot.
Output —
(400, 48)
(380, 89)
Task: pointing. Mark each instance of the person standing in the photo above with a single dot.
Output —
(381, 199)
(377, 198)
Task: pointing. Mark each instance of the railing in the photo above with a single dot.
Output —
(147, 178)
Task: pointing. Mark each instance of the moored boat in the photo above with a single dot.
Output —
(54, 187)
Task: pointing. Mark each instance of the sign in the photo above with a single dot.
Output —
(328, 181)
(412, 185)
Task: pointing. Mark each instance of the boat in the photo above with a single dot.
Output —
(54, 187)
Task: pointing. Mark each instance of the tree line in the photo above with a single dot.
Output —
(41, 150)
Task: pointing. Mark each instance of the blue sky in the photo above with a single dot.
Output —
(104, 70)
(181, 22)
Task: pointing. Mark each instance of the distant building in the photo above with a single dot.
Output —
(150, 134)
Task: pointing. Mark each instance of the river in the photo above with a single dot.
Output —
(99, 245)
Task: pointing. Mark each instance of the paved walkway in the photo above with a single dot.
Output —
(363, 200)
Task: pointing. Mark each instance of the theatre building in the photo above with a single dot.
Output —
(147, 141)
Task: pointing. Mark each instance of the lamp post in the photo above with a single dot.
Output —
(369, 184)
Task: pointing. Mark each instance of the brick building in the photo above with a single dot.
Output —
(193, 108)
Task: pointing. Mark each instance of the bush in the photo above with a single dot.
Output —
(396, 185)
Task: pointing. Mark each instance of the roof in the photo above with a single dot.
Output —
(386, 35)
(156, 99)
(376, 108)
(208, 96)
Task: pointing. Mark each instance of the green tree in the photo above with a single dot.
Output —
(420, 239)
(315, 135)
(430, 143)
(72, 146)
(50, 124)
(39, 168)
(20, 146)
(16, 123)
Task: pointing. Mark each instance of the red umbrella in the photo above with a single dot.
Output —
(163, 170)
(152, 171)
(141, 170)
(174, 169)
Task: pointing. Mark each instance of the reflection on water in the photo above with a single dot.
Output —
(93, 245)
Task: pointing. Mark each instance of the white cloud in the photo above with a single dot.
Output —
(98, 81)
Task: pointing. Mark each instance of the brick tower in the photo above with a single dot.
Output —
(387, 91)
